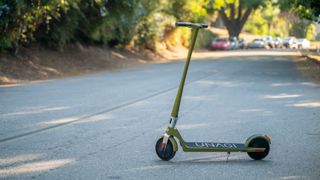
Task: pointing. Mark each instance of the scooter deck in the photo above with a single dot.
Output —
(218, 147)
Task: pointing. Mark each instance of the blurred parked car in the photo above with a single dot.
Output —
(258, 43)
(290, 42)
(303, 43)
(234, 44)
(220, 44)
(243, 44)
(269, 41)
(277, 42)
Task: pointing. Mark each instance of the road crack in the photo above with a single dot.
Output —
(120, 106)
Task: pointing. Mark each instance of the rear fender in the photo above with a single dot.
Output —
(257, 136)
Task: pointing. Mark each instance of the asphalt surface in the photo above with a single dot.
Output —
(104, 126)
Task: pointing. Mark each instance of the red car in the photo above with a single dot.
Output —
(220, 44)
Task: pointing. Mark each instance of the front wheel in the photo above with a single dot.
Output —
(167, 153)
(259, 143)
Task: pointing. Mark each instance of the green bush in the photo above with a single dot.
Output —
(159, 23)
(60, 31)
(205, 38)
(152, 29)
(20, 19)
(92, 22)
(317, 38)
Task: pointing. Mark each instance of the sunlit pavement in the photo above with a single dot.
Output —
(104, 126)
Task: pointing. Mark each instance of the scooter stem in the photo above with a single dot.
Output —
(176, 106)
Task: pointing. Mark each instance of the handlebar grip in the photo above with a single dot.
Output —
(183, 24)
(204, 25)
(188, 24)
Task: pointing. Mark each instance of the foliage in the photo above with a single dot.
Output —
(269, 17)
(93, 22)
(106, 22)
(178, 37)
(20, 19)
(204, 39)
(267, 20)
(159, 23)
(56, 23)
(141, 23)
(311, 32)
(184, 10)
(257, 24)
(308, 9)
(317, 38)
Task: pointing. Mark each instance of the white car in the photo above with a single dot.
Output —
(303, 43)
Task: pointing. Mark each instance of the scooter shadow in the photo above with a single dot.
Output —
(223, 160)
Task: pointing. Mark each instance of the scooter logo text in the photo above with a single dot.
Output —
(215, 145)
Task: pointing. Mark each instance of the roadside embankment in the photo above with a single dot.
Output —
(36, 63)
(309, 65)
(315, 58)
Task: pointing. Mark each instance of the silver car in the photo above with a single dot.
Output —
(258, 43)
(290, 42)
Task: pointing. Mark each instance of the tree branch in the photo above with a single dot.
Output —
(240, 11)
(224, 17)
(232, 14)
(245, 17)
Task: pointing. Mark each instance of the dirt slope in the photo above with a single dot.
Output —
(37, 63)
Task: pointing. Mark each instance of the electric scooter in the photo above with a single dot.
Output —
(257, 146)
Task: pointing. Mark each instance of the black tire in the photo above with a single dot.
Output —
(259, 143)
(167, 153)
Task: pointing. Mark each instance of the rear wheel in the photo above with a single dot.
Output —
(166, 153)
(259, 143)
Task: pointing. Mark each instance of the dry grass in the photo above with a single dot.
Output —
(315, 57)
(315, 44)
(308, 68)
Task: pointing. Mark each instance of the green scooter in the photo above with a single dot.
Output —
(257, 146)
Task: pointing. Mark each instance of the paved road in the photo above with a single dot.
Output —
(104, 126)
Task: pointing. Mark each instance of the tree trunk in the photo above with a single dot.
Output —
(232, 24)
(269, 28)
(235, 25)
(235, 32)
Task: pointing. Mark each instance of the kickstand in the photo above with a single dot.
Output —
(228, 156)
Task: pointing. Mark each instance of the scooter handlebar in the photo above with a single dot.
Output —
(191, 25)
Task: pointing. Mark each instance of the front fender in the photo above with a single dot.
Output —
(174, 143)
